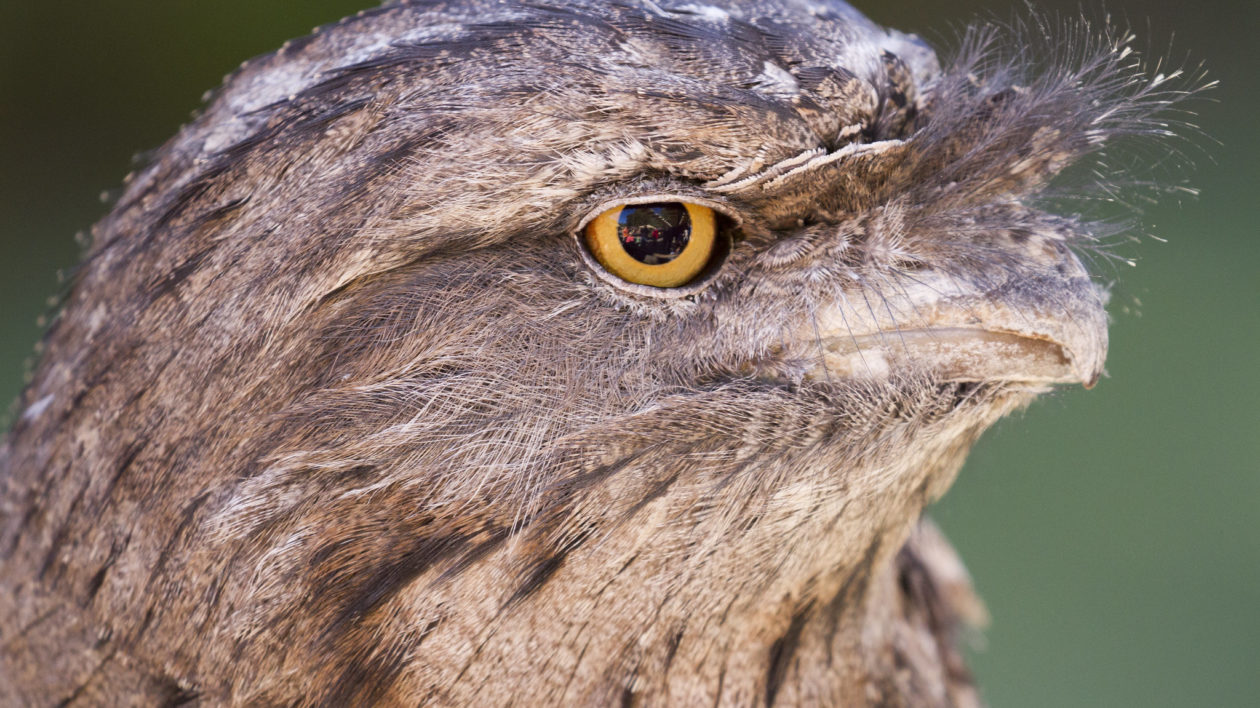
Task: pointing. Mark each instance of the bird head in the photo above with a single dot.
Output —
(364, 392)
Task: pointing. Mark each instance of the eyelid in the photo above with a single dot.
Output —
(719, 208)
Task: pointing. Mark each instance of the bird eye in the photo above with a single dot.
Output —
(663, 244)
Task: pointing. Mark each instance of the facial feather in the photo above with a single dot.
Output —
(339, 412)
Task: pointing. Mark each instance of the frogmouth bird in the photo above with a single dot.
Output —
(556, 353)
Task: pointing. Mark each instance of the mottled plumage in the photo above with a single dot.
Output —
(339, 410)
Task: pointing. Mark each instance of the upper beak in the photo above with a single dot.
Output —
(1043, 328)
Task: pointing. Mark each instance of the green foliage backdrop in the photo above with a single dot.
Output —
(1115, 534)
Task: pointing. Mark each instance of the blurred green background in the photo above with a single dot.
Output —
(1115, 534)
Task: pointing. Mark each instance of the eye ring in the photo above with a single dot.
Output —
(660, 245)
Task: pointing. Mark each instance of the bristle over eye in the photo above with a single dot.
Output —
(1021, 103)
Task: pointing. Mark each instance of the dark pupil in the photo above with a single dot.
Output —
(654, 233)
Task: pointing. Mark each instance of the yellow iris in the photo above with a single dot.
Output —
(663, 245)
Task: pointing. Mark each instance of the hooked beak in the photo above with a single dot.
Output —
(1048, 328)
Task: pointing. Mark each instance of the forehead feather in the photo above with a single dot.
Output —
(777, 58)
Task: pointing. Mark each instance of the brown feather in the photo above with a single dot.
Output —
(337, 411)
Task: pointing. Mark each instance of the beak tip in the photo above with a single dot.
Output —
(1091, 380)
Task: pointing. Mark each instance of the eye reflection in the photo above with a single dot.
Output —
(654, 233)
